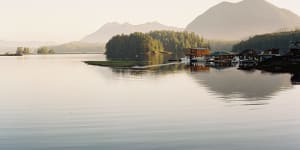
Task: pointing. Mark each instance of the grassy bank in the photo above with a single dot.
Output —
(117, 63)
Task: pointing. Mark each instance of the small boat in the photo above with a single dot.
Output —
(210, 59)
(198, 59)
(235, 60)
(185, 60)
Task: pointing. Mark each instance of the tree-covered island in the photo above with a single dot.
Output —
(144, 47)
(137, 45)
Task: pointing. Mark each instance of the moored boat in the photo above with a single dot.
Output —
(247, 64)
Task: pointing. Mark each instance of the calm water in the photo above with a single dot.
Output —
(59, 103)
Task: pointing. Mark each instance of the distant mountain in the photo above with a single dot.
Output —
(78, 47)
(234, 21)
(110, 29)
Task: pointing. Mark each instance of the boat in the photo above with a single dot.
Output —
(198, 59)
(185, 60)
(235, 60)
(247, 64)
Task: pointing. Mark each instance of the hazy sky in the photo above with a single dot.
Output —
(68, 20)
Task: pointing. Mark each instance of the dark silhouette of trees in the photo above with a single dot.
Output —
(280, 40)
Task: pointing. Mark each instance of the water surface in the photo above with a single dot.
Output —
(58, 102)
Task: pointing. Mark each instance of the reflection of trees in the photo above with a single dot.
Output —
(295, 79)
(153, 70)
(292, 69)
(157, 65)
(155, 59)
(235, 84)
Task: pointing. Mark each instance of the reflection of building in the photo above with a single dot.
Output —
(196, 67)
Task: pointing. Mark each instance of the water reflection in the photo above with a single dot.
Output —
(224, 81)
(154, 70)
(293, 70)
(295, 79)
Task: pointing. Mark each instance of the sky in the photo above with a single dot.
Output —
(70, 20)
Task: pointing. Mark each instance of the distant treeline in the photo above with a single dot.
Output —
(45, 50)
(219, 45)
(279, 40)
(137, 45)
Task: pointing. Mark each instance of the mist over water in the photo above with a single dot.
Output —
(59, 102)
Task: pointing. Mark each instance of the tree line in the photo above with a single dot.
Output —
(133, 46)
(26, 50)
(280, 40)
(179, 42)
(137, 45)
(23, 51)
(45, 50)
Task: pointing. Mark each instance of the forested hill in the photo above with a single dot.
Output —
(137, 45)
(280, 40)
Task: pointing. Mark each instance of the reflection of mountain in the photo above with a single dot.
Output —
(234, 84)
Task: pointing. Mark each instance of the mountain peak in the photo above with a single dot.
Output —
(108, 30)
(254, 1)
(235, 21)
